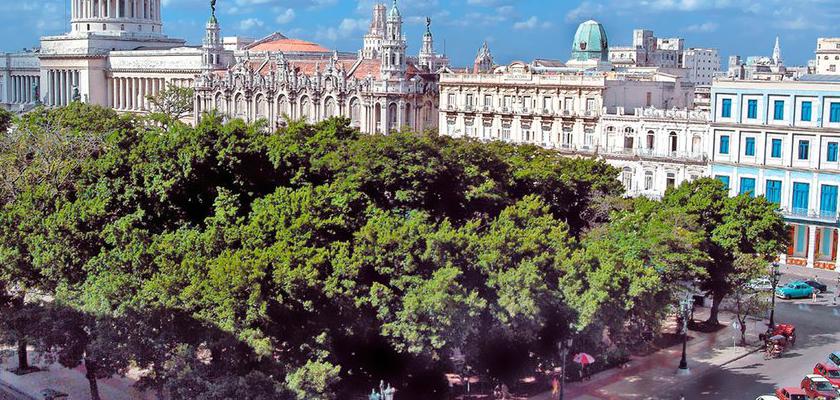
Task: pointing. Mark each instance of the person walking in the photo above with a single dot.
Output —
(555, 388)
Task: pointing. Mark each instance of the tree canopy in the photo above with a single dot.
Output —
(314, 261)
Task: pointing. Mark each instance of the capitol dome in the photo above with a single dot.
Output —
(590, 42)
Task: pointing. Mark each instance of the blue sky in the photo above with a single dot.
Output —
(515, 29)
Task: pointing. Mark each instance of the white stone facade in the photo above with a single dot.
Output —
(655, 149)
(379, 91)
(115, 55)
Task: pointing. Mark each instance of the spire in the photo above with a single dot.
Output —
(777, 53)
(395, 12)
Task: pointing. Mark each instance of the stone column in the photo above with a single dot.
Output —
(812, 238)
(121, 92)
(837, 252)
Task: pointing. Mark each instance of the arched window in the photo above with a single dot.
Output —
(282, 106)
(392, 117)
(355, 112)
(650, 140)
(239, 106)
(672, 137)
(695, 145)
(305, 109)
(627, 178)
(329, 108)
(218, 103)
(261, 109)
(628, 138)
(648, 180)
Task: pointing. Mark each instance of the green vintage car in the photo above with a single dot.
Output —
(795, 290)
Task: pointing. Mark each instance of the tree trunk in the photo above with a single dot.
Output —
(743, 332)
(22, 354)
(715, 310)
(91, 377)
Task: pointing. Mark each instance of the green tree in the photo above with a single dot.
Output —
(172, 103)
(731, 226)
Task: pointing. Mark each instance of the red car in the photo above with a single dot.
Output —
(791, 393)
(817, 387)
(829, 372)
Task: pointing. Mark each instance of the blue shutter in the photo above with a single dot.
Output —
(828, 200)
(806, 110)
(749, 147)
(832, 152)
(752, 109)
(800, 239)
(724, 179)
(776, 151)
(774, 191)
(835, 112)
(748, 186)
(827, 240)
(779, 110)
(803, 149)
(726, 108)
(800, 198)
(724, 144)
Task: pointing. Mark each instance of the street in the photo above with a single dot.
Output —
(818, 334)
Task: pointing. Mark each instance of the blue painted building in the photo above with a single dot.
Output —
(780, 139)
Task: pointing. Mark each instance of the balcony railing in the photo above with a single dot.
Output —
(810, 215)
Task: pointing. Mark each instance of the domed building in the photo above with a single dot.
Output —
(590, 47)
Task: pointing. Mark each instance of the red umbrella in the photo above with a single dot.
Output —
(584, 359)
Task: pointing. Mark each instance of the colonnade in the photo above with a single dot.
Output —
(136, 9)
(21, 88)
(60, 84)
(131, 93)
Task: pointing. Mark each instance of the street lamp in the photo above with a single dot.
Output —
(685, 309)
(564, 347)
(775, 275)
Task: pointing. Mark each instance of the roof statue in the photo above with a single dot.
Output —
(213, 11)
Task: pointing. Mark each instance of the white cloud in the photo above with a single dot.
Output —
(349, 27)
(585, 10)
(250, 23)
(704, 27)
(284, 17)
(531, 23)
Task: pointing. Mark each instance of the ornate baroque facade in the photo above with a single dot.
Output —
(379, 90)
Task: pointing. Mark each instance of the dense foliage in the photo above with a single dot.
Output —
(309, 263)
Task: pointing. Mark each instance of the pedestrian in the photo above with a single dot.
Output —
(555, 388)
(814, 295)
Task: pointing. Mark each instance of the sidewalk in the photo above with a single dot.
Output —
(70, 381)
(825, 276)
(644, 377)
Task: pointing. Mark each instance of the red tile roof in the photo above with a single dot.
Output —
(289, 46)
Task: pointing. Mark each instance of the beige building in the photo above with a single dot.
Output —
(828, 56)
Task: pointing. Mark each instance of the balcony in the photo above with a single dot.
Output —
(829, 217)
(652, 154)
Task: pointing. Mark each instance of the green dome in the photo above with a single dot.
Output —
(590, 42)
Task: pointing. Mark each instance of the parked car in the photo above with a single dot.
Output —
(833, 359)
(795, 290)
(767, 397)
(791, 393)
(760, 284)
(829, 372)
(819, 287)
(816, 387)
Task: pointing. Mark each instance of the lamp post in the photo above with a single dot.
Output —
(775, 275)
(564, 347)
(685, 309)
